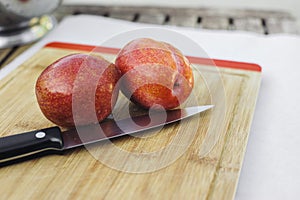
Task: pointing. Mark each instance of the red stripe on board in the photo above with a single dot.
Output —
(225, 63)
(82, 47)
(196, 60)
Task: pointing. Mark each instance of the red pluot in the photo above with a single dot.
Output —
(78, 89)
(154, 73)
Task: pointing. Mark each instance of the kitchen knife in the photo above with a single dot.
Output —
(52, 140)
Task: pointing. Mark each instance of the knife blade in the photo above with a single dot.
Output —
(54, 141)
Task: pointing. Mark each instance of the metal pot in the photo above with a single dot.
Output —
(18, 17)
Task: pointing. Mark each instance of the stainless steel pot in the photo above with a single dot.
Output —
(23, 21)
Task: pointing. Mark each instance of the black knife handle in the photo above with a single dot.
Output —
(30, 143)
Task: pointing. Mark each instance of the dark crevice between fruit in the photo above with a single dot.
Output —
(176, 84)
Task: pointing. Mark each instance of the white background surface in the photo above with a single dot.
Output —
(292, 6)
(271, 166)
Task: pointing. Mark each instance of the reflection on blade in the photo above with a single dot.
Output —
(110, 129)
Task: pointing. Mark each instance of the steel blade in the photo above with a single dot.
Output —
(110, 128)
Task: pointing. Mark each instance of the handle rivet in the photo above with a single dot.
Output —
(40, 134)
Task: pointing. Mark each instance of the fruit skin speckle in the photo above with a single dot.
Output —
(154, 72)
(80, 87)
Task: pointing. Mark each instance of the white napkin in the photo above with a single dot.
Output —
(271, 166)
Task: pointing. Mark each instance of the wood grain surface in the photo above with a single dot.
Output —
(198, 158)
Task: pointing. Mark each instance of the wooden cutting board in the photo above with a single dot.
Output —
(198, 158)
